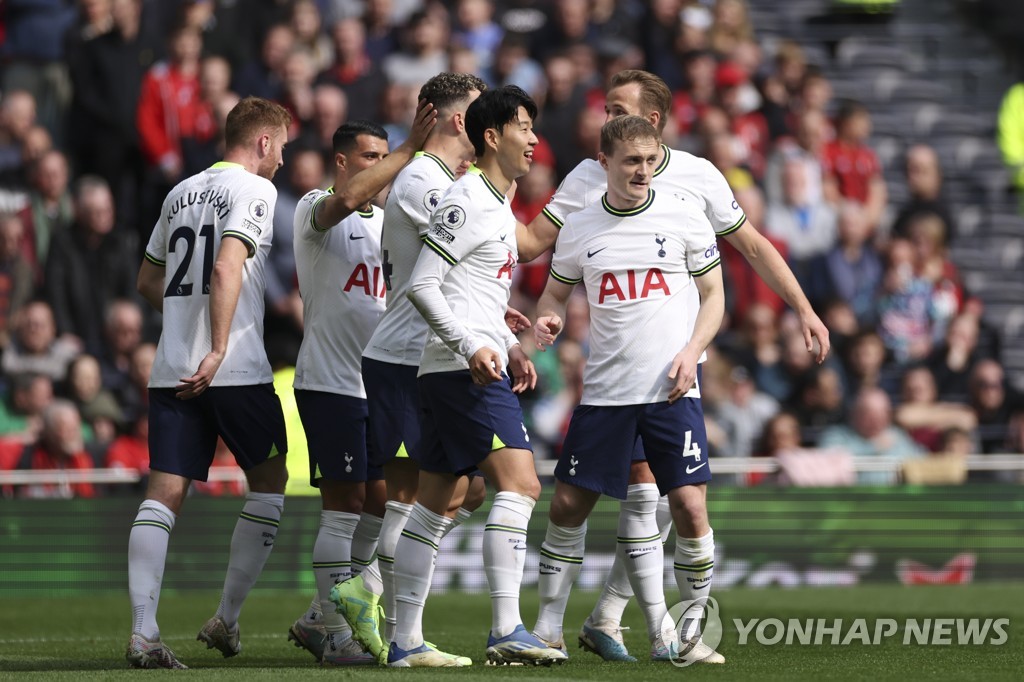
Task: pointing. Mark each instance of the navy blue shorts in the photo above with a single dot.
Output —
(674, 439)
(336, 431)
(393, 400)
(463, 423)
(183, 433)
(638, 446)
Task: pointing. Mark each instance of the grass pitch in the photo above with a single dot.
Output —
(83, 638)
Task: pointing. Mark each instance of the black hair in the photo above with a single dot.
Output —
(345, 137)
(496, 108)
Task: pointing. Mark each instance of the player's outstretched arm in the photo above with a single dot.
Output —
(535, 238)
(770, 266)
(551, 312)
(225, 287)
(709, 321)
(367, 184)
(150, 283)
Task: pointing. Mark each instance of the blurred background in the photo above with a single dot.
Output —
(879, 144)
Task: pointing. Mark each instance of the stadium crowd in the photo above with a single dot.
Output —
(106, 104)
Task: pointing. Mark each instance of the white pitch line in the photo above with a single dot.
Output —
(111, 638)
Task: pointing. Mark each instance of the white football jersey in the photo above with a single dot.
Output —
(638, 268)
(341, 280)
(474, 233)
(683, 175)
(224, 201)
(415, 194)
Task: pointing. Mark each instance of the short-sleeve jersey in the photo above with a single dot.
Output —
(682, 175)
(341, 280)
(224, 201)
(638, 268)
(474, 231)
(415, 194)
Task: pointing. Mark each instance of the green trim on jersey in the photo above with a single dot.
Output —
(629, 212)
(564, 280)
(226, 164)
(312, 211)
(664, 160)
(249, 243)
(730, 230)
(494, 190)
(366, 214)
(553, 218)
(449, 258)
(154, 260)
(707, 268)
(440, 163)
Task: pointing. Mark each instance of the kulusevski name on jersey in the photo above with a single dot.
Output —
(474, 233)
(186, 241)
(341, 280)
(682, 175)
(415, 194)
(638, 268)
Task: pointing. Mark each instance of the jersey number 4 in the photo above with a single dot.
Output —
(177, 286)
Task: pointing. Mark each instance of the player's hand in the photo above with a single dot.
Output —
(812, 328)
(483, 366)
(426, 119)
(524, 375)
(516, 321)
(200, 381)
(547, 329)
(683, 373)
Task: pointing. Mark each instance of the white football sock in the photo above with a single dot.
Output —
(414, 569)
(251, 544)
(364, 541)
(147, 555)
(561, 557)
(461, 515)
(505, 557)
(664, 517)
(332, 561)
(640, 549)
(314, 614)
(395, 516)
(694, 568)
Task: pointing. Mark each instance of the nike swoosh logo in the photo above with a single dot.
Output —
(690, 471)
(502, 237)
(268, 543)
(634, 555)
(549, 572)
(701, 587)
(354, 237)
(591, 254)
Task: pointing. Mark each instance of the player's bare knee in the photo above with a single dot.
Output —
(640, 472)
(689, 510)
(476, 494)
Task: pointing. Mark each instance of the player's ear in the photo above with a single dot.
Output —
(491, 138)
(459, 120)
(340, 161)
(603, 160)
(655, 118)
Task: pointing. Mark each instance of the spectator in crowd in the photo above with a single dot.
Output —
(740, 100)
(96, 404)
(423, 54)
(297, 77)
(731, 26)
(310, 39)
(951, 361)
(562, 103)
(924, 183)
(264, 76)
(16, 277)
(781, 435)
(689, 103)
(533, 191)
(49, 211)
(924, 417)
(106, 76)
(35, 346)
(477, 30)
(807, 147)
(330, 110)
(743, 413)
(871, 434)
(744, 285)
(866, 364)
(851, 271)
(134, 398)
(852, 170)
(33, 56)
(122, 334)
(130, 451)
(60, 446)
(927, 233)
(819, 401)
(214, 88)
(807, 226)
(17, 118)
(550, 415)
(513, 66)
(992, 404)
(90, 266)
(21, 414)
(904, 307)
(353, 71)
(381, 21)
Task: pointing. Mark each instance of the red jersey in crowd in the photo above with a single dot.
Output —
(853, 167)
(15, 455)
(170, 110)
